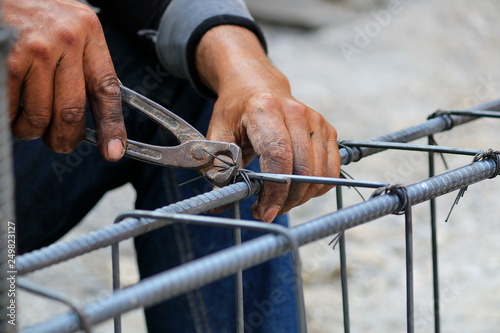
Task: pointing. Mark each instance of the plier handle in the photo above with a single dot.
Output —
(194, 150)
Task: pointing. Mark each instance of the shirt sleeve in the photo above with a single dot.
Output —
(183, 25)
(179, 26)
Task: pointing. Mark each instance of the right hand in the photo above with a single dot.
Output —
(59, 57)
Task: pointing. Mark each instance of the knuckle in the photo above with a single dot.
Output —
(40, 50)
(317, 188)
(263, 100)
(297, 108)
(37, 121)
(72, 115)
(332, 134)
(317, 118)
(68, 36)
(302, 169)
(108, 87)
(88, 17)
(278, 152)
(14, 68)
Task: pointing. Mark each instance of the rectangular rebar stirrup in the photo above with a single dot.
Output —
(224, 263)
(62, 251)
(431, 126)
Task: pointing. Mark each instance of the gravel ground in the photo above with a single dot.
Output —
(372, 67)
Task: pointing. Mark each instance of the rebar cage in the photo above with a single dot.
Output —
(387, 199)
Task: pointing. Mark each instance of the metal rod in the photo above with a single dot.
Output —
(431, 126)
(59, 252)
(240, 312)
(412, 147)
(475, 113)
(52, 295)
(283, 178)
(7, 218)
(239, 224)
(409, 270)
(212, 267)
(434, 247)
(343, 269)
(62, 251)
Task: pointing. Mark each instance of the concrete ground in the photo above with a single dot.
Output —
(370, 67)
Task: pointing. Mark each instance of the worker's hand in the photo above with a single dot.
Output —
(59, 58)
(255, 109)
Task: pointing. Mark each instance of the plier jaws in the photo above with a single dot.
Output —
(218, 162)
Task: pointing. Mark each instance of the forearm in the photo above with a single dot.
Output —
(231, 57)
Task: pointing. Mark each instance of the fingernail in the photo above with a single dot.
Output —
(115, 149)
(270, 214)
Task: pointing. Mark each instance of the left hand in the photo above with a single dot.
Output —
(255, 109)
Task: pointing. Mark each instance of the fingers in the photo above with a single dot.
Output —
(324, 159)
(51, 70)
(300, 142)
(68, 122)
(273, 144)
(32, 119)
(104, 95)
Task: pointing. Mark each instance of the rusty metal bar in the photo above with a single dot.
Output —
(8, 273)
(224, 263)
(60, 252)
(434, 125)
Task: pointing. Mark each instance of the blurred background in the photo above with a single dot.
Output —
(370, 67)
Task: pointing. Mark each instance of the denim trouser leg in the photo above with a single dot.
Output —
(54, 192)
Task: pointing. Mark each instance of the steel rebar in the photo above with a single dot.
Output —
(343, 269)
(434, 247)
(429, 127)
(63, 251)
(60, 252)
(7, 219)
(238, 278)
(226, 262)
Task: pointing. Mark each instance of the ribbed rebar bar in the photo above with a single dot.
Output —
(63, 251)
(197, 273)
(129, 228)
(431, 126)
(7, 309)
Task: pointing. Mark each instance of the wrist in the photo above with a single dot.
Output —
(231, 58)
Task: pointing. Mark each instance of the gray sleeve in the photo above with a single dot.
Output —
(183, 25)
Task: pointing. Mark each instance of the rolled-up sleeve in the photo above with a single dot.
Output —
(183, 25)
(179, 27)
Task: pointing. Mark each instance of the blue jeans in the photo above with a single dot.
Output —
(54, 192)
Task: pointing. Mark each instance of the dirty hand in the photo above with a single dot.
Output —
(255, 109)
(60, 56)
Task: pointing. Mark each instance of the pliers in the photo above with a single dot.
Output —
(194, 150)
